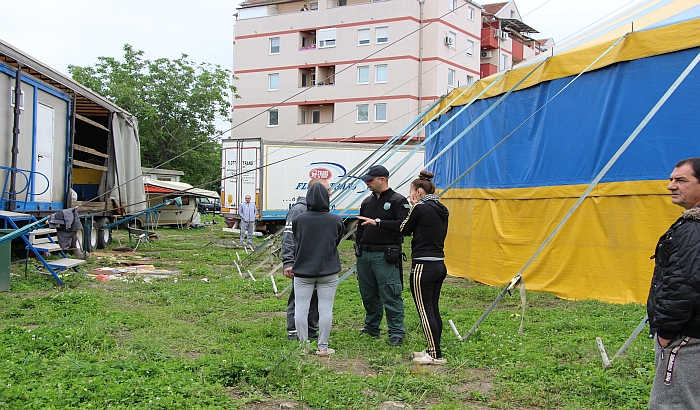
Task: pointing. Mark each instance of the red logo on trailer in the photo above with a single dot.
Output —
(320, 173)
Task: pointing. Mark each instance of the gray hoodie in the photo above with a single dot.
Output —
(287, 235)
(317, 233)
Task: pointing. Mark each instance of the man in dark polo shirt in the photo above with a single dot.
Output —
(378, 254)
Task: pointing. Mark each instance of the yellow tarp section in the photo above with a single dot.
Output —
(502, 228)
(576, 58)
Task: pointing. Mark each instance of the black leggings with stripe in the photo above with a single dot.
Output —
(426, 282)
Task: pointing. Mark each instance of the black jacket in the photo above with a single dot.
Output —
(427, 222)
(317, 233)
(673, 304)
(390, 206)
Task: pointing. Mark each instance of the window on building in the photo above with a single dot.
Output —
(363, 74)
(452, 43)
(379, 112)
(313, 5)
(275, 45)
(450, 77)
(504, 61)
(272, 118)
(470, 48)
(380, 73)
(512, 14)
(382, 34)
(453, 4)
(470, 79)
(303, 116)
(363, 36)
(326, 37)
(273, 82)
(470, 13)
(363, 113)
(315, 116)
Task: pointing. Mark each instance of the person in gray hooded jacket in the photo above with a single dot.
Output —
(317, 233)
(288, 260)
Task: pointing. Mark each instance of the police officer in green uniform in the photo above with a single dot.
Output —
(378, 254)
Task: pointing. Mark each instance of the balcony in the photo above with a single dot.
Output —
(488, 38)
(488, 69)
(324, 74)
(517, 50)
(316, 113)
(340, 3)
(265, 8)
(307, 40)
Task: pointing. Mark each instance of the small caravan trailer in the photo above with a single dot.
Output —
(179, 215)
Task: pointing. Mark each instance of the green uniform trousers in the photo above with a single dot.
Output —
(380, 288)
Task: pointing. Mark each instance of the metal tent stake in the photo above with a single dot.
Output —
(239, 269)
(274, 285)
(454, 329)
(607, 363)
(513, 282)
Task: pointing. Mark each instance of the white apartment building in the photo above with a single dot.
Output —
(349, 70)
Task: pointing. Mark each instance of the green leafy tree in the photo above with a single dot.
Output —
(176, 103)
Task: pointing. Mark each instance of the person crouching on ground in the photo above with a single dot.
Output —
(317, 234)
(427, 222)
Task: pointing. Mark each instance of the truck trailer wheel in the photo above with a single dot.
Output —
(351, 224)
(92, 240)
(104, 235)
(77, 245)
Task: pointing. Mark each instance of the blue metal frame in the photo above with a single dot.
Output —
(281, 215)
(26, 204)
(34, 82)
(68, 152)
(32, 205)
(35, 106)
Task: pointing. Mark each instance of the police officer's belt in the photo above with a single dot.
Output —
(374, 248)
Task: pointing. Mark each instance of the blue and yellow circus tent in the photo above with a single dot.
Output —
(527, 156)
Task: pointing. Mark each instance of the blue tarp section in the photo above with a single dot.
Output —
(574, 136)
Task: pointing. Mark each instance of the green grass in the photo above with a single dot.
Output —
(191, 344)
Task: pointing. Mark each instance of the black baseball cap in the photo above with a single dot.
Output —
(375, 171)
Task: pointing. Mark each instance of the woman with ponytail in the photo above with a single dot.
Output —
(427, 222)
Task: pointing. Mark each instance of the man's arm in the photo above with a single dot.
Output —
(405, 225)
(680, 290)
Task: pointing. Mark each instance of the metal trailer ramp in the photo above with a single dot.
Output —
(40, 242)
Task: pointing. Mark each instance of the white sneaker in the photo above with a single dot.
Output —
(427, 359)
(326, 352)
(418, 354)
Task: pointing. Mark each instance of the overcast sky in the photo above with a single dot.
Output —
(62, 32)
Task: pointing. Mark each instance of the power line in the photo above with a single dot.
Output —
(221, 133)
